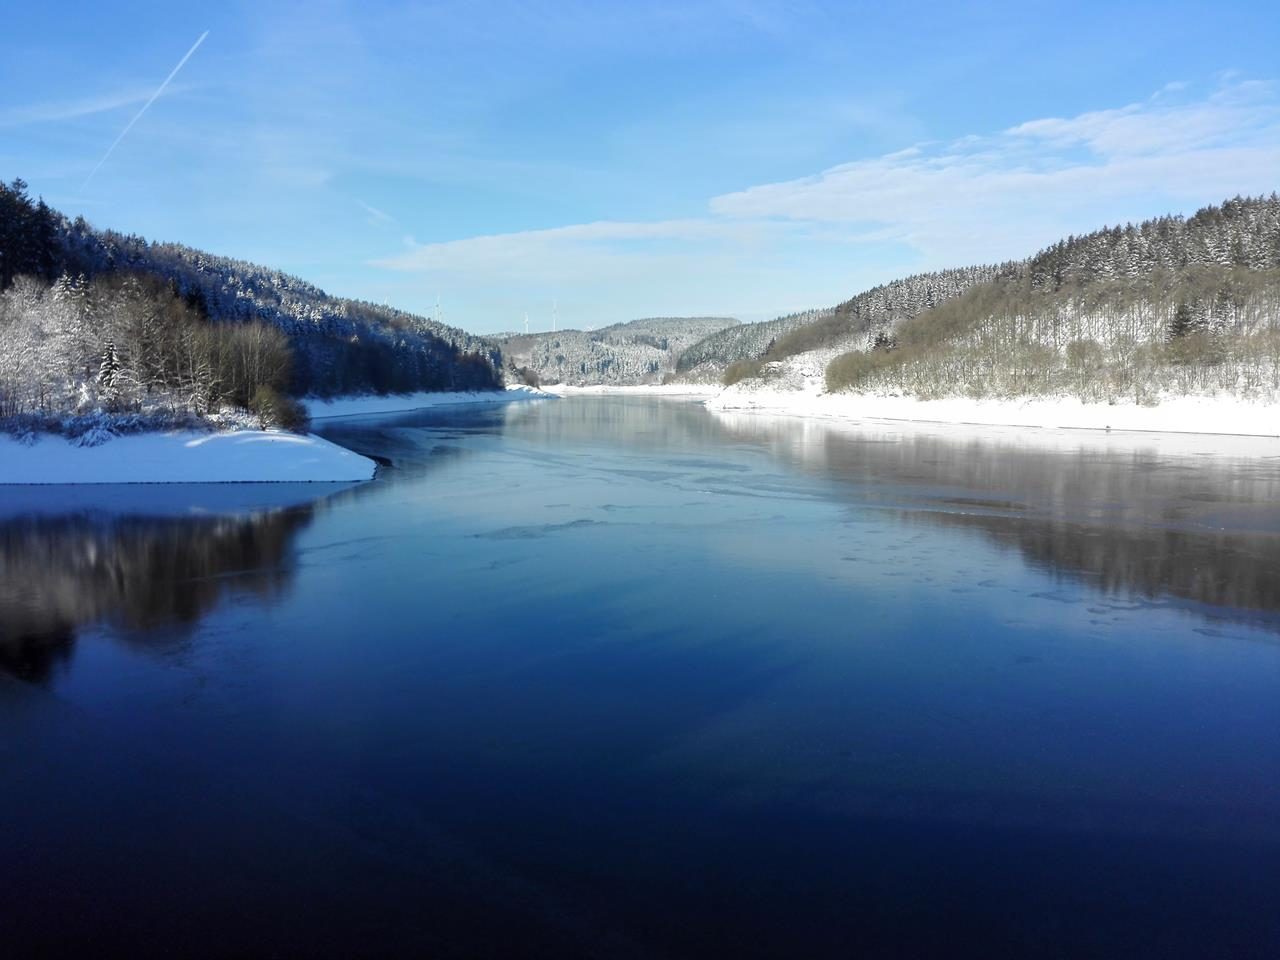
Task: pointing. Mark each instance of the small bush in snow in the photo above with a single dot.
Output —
(95, 436)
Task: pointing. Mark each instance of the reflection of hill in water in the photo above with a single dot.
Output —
(62, 573)
(665, 426)
(1144, 516)
(1121, 513)
(1226, 570)
(639, 423)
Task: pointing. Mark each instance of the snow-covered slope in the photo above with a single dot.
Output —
(706, 360)
(642, 351)
(241, 456)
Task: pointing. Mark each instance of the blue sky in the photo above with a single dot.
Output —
(635, 159)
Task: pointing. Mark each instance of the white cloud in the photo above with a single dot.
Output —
(608, 271)
(980, 198)
(71, 109)
(567, 251)
(1029, 183)
(1230, 115)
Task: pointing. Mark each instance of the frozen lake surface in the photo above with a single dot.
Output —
(623, 677)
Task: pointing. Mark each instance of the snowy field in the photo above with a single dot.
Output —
(241, 456)
(1209, 415)
(404, 402)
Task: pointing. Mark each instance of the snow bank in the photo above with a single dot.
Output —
(404, 402)
(640, 390)
(1213, 415)
(241, 456)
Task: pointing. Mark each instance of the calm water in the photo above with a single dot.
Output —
(621, 678)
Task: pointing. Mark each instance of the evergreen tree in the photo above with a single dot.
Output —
(109, 369)
(1183, 323)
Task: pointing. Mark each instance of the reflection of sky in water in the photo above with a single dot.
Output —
(570, 666)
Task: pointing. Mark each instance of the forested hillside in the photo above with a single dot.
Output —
(641, 351)
(733, 355)
(1170, 306)
(707, 359)
(1175, 304)
(97, 321)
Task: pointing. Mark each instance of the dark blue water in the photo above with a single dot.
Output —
(606, 677)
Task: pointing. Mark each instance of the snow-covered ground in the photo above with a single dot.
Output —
(1212, 415)
(241, 456)
(642, 390)
(372, 404)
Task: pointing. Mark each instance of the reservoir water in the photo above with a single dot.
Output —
(624, 678)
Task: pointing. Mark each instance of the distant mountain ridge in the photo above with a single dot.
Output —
(637, 352)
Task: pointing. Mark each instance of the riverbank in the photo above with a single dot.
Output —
(237, 456)
(1199, 415)
(231, 456)
(373, 404)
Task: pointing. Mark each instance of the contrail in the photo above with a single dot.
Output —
(138, 116)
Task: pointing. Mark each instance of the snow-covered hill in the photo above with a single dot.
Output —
(1141, 314)
(638, 352)
(1142, 283)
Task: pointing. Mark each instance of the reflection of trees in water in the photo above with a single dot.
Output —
(59, 574)
(417, 442)
(1236, 571)
(1120, 513)
(1122, 516)
(668, 426)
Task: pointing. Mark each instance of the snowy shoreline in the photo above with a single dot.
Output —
(257, 456)
(1208, 416)
(1220, 416)
(183, 456)
(233, 456)
(373, 404)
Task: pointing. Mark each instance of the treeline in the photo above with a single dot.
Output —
(30, 242)
(1198, 330)
(336, 346)
(340, 346)
(127, 343)
(1168, 306)
(884, 306)
(1242, 232)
